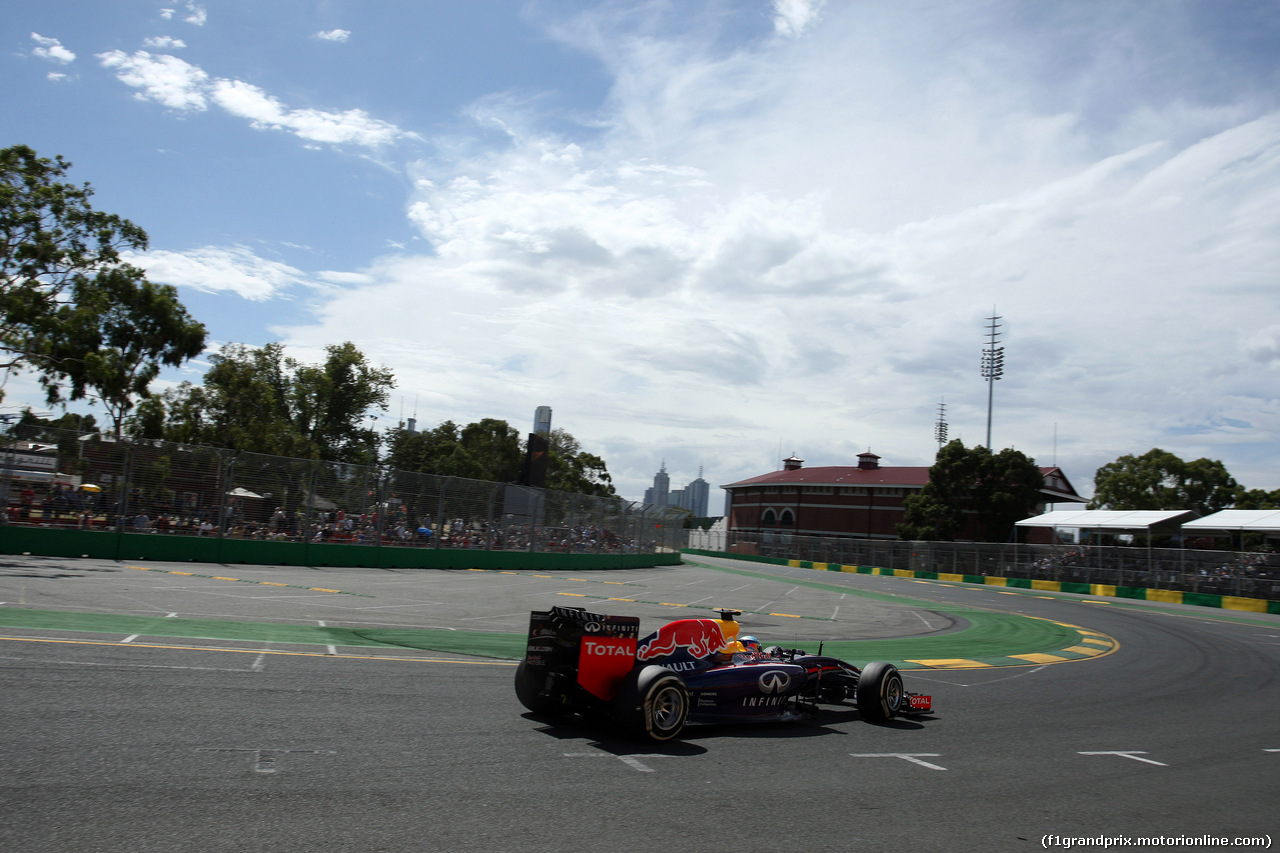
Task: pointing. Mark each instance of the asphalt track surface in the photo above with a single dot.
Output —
(187, 707)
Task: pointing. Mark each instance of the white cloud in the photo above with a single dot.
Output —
(338, 128)
(1263, 346)
(214, 269)
(164, 43)
(791, 17)
(775, 244)
(340, 277)
(196, 14)
(799, 246)
(51, 49)
(164, 79)
(334, 35)
(179, 85)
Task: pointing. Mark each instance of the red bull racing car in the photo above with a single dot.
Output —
(690, 670)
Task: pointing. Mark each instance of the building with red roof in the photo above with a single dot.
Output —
(864, 501)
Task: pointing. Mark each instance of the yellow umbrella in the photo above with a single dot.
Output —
(90, 487)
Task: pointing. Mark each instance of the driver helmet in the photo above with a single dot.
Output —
(750, 643)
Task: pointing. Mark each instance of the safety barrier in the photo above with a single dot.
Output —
(47, 542)
(1166, 596)
(69, 494)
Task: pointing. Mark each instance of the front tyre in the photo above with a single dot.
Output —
(880, 694)
(652, 703)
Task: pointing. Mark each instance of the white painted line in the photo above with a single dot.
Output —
(333, 650)
(922, 619)
(632, 761)
(131, 638)
(913, 757)
(170, 615)
(264, 760)
(259, 663)
(116, 665)
(1134, 754)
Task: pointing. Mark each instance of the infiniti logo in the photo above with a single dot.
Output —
(774, 681)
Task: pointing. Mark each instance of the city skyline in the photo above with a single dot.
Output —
(694, 497)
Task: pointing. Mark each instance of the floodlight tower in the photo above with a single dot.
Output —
(992, 364)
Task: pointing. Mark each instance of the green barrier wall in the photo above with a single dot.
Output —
(1200, 599)
(110, 545)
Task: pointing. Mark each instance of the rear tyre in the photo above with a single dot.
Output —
(528, 692)
(880, 694)
(652, 703)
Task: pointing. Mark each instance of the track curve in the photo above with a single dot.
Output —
(108, 746)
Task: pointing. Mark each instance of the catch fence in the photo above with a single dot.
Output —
(1252, 574)
(59, 478)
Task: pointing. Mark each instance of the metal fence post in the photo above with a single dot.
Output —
(122, 496)
(440, 508)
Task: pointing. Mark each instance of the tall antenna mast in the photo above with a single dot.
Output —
(940, 428)
(992, 364)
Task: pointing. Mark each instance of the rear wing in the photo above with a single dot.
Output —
(595, 649)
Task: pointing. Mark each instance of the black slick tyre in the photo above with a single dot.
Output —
(880, 694)
(652, 703)
(527, 691)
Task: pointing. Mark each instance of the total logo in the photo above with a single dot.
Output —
(606, 650)
(774, 681)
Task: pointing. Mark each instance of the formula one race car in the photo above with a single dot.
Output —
(690, 670)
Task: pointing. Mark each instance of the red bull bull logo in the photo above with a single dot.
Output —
(699, 638)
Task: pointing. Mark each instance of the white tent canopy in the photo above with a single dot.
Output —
(1167, 520)
(243, 493)
(1227, 520)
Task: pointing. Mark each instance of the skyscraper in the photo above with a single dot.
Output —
(693, 497)
(696, 495)
(660, 493)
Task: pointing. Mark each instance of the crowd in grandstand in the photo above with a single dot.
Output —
(385, 524)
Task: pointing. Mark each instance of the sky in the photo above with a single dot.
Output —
(710, 234)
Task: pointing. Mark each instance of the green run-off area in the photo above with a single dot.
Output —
(988, 638)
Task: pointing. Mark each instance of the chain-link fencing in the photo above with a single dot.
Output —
(1254, 574)
(58, 478)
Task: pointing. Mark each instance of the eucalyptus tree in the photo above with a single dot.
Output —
(87, 324)
(996, 489)
(1159, 479)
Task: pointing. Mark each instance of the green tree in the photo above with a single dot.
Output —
(571, 469)
(1258, 499)
(86, 323)
(1160, 480)
(492, 450)
(258, 399)
(243, 404)
(435, 451)
(998, 489)
(488, 449)
(30, 425)
(936, 512)
(329, 402)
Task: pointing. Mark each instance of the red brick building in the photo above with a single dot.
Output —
(864, 501)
